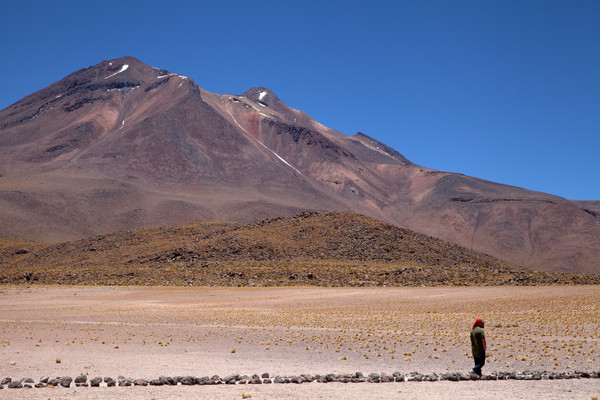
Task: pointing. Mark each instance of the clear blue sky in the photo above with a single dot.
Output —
(507, 91)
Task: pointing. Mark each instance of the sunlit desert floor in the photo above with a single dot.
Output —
(149, 332)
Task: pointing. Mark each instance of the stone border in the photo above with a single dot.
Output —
(265, 378)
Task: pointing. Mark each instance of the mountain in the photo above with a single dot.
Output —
(122, 145)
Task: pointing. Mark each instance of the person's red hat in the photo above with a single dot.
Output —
(478, 322)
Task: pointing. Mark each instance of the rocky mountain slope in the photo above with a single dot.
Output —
(121, 145)
(317, 249)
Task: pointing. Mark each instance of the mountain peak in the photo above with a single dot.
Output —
(120, 61)
(262, 95)
(127, 68)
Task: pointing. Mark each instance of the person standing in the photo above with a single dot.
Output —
(478, 346)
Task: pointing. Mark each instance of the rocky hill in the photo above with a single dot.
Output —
(122, 145)
(322, 249)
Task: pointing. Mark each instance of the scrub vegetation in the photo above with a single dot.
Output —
(311, 249)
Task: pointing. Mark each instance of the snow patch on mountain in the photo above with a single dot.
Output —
(123, 68)
(263, 145)
(373, 146)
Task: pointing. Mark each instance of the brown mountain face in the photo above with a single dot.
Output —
(122, 145)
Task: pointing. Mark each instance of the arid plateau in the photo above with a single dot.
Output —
(145, 333)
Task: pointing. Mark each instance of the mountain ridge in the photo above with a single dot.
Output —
(122, 145)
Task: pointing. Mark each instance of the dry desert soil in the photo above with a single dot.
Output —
(145, 333)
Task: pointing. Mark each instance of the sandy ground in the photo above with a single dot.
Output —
(149, 332)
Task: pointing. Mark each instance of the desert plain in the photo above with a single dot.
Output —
(147, 332)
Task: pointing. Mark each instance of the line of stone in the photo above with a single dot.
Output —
(265, 378)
